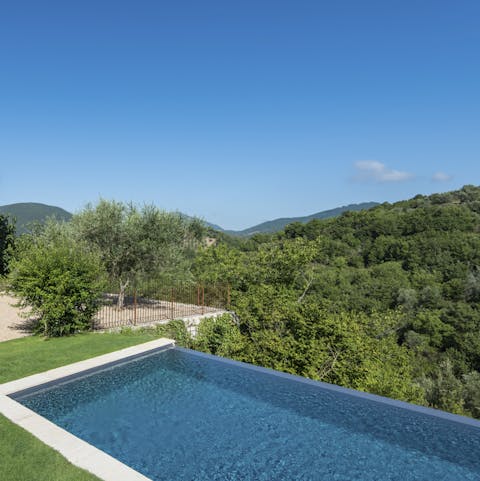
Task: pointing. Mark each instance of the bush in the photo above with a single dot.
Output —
(219, 335)
(471, 394)
(176, 330)
(60, 280)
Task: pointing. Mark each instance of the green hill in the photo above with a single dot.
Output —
(27, 213)
(277, 225)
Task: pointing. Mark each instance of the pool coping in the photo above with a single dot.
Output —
(78, 452)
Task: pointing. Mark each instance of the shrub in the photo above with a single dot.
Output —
(471, 392)
(219, 335)
(176, 330)
(60, 280)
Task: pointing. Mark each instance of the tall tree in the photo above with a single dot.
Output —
(138, 242)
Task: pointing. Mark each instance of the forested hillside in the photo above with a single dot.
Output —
(276, 225)
(27, 213)
(384, 300)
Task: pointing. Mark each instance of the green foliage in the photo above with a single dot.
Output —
(444, 390)
(219, 335)
(277, 331)
(471, 393)
(60, 280)
(221, 264)
(176, 330)
(385, 300)
(135, 243)
(7, 238)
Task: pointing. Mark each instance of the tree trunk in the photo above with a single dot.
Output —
(121, 294)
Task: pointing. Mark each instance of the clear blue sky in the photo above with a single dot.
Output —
(238, 112)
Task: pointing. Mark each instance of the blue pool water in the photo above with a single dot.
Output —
(179, 415)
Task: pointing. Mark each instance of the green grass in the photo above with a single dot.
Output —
(22, 456)
(30, 355)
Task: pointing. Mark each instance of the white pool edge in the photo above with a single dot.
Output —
(78, 452)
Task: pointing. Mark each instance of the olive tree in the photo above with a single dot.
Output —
(138, 242)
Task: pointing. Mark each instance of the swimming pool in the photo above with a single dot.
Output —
(177, 414)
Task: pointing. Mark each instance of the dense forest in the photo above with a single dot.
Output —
(276, 225)
(384, 300)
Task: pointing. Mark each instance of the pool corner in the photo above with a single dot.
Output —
(75, 450)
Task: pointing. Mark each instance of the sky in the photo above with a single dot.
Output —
(238, 111)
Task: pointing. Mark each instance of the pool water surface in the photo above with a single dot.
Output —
(181, 415)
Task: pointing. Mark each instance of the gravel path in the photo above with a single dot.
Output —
(10, 321)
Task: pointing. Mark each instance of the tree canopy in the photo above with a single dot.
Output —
(137, 243)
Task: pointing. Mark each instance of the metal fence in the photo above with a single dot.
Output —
(151, 303)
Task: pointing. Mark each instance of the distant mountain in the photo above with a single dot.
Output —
(215, 227)
(30, 212)
(279, 224)
(27, 213)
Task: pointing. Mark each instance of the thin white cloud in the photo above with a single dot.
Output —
(441, 177)
(373, 170)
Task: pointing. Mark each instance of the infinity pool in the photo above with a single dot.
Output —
(181, 415)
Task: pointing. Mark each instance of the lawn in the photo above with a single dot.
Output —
(22, 456)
